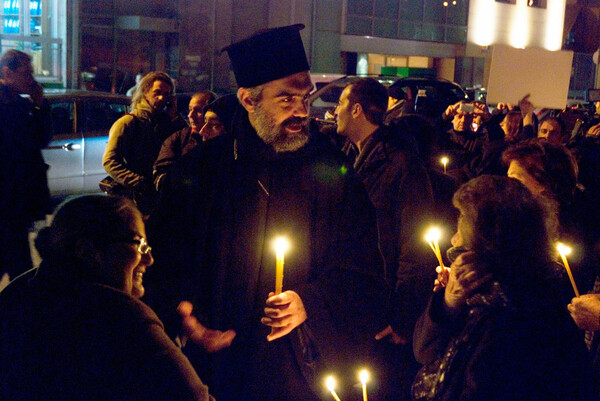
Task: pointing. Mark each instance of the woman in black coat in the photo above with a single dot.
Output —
(496, 331)
(75, 330)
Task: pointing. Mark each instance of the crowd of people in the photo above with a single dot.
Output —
(165, 288)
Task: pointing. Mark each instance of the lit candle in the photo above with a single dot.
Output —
(564, 250)
(444, 161)
(281, 245)
(432, 237)
(364, 378)
(331, 387)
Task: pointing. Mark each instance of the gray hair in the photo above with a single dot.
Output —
(146, 84)
(255, 93)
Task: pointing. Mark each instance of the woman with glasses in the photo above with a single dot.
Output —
(75, 329)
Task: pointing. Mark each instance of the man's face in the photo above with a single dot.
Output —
(551, 131)
(343, 112)
(195, 115)
(20, 79)
(462, 122)
(280, 117)
(158, 94)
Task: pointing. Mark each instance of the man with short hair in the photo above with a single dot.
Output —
(221, 208)
(135, 139)
(399, 188)
(553, 130)
(25, 129)
(186, 139)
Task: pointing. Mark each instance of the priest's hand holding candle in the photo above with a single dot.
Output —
(281, 245)
(284, 311)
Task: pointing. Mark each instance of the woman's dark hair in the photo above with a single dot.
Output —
(97, 218)
(552, 165)
(507, 228)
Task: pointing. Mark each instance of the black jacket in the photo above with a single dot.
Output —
(212, 234)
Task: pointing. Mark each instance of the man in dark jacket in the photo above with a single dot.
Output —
(399, 188)
(223, 205)
(135, 139)
(24, 131)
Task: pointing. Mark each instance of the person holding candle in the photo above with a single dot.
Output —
(494, 332)
(550, 172)
(221, 208)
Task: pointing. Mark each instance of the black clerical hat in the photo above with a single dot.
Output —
(268, 55)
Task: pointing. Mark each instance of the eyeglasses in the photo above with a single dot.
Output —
(143, 246)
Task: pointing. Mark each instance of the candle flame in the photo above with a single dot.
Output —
(433, 235)
(563, 249)
(444, 160)
(330, 382)
(281, 245)
(363, 376)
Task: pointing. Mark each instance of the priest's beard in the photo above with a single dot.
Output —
(276, 135)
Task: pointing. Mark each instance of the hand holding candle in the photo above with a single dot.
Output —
(281, 246)
(364, 378)
(330, 382)
(564, 250)
(432, 237)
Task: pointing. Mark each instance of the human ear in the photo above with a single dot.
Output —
(246, 100)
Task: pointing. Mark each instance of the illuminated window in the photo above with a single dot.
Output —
(33, 26)
(426, 20)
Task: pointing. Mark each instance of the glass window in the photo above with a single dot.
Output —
(62, 120)
(385, 28)
(409, 31)
(34, 27)
(358, 25)
(411, 10)
(456, 35)
(434, 11)
(360, 7)
(386, 8)
(101, 114)
(433, 32)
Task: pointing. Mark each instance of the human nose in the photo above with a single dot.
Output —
(147, 259)
(301, 109)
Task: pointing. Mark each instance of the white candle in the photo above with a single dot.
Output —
(564, 250)
(432, 237)
(281, 245)
(331, 387)
(364, 378)
(444, 161)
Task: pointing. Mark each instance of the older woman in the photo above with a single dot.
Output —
(75, 328)
(496, 332)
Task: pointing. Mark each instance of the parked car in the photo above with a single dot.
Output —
(80, 123)
(440, 93)
(325, 99)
